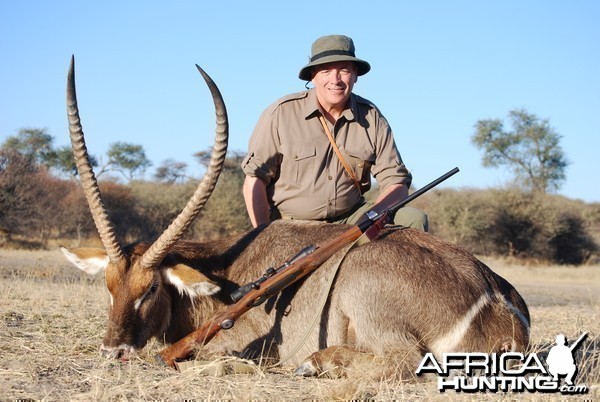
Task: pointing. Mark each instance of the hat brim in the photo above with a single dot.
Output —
(306, 74)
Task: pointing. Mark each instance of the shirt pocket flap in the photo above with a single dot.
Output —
(363, 155)
(299, 151)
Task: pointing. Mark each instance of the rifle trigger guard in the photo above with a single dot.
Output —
(260, 300)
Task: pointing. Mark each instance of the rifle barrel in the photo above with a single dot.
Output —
(423, 189)
(574, 344)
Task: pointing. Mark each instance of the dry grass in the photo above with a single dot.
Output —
(53, 320)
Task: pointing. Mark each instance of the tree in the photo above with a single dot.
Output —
(34, 144)
(532, 150)
(170, 171)
(127, 159)
(232, 162)
(63, 161)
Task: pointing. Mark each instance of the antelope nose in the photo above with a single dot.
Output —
(122, 352)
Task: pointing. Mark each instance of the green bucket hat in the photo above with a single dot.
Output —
(328, 49)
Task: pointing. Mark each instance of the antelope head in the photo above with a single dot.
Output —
(137, 277)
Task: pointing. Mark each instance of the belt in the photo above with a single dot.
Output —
(276, 214)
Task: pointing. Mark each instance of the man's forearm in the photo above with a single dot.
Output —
(390, 196)
(257, 204)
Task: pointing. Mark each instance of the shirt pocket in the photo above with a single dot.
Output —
(298, 164)
(361, 162)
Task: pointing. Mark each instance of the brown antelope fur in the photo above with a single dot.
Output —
(392, 300)
(406, 291)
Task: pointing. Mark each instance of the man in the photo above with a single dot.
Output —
(292, 169)
(560, 360)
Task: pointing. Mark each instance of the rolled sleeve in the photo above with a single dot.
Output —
(253, 166)
(264, 156)
(389, 168)
(398, 174)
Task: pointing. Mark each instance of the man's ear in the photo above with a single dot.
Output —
(89, 260)
(190, 282)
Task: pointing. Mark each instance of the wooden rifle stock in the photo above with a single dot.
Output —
(284, 277)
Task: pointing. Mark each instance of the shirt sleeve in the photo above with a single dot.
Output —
(263, 157)
(388, 168)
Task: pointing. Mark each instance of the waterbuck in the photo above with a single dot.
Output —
(392, 300)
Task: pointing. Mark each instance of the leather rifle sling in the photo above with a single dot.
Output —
(347, 168)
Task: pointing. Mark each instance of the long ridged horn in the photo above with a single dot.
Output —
(86, 173)
(159, 249)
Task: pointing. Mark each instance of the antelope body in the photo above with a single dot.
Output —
(396, 298)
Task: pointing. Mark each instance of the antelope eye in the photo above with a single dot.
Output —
(153, 288)
(149, 292)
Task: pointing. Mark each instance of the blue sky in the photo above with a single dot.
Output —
(437, 68)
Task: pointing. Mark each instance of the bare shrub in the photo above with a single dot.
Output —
(29, 199)
(77, 222)
(48, 206)
(18, 191)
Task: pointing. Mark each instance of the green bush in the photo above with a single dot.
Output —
(159, 204)
(461, 217)
(224, 213)
(122, 207)
(36, 207)
(514, 223)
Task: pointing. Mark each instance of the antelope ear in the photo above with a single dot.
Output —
(89, 260)
(191, 282)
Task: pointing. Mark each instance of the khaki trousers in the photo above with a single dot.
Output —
(406, 216)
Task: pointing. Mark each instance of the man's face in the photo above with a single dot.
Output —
(333, 83)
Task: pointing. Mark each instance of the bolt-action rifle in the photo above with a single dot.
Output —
(576, 343)
(276, 279)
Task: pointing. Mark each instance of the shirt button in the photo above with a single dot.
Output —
(330, 178)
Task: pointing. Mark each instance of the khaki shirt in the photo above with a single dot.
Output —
(305, 180)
